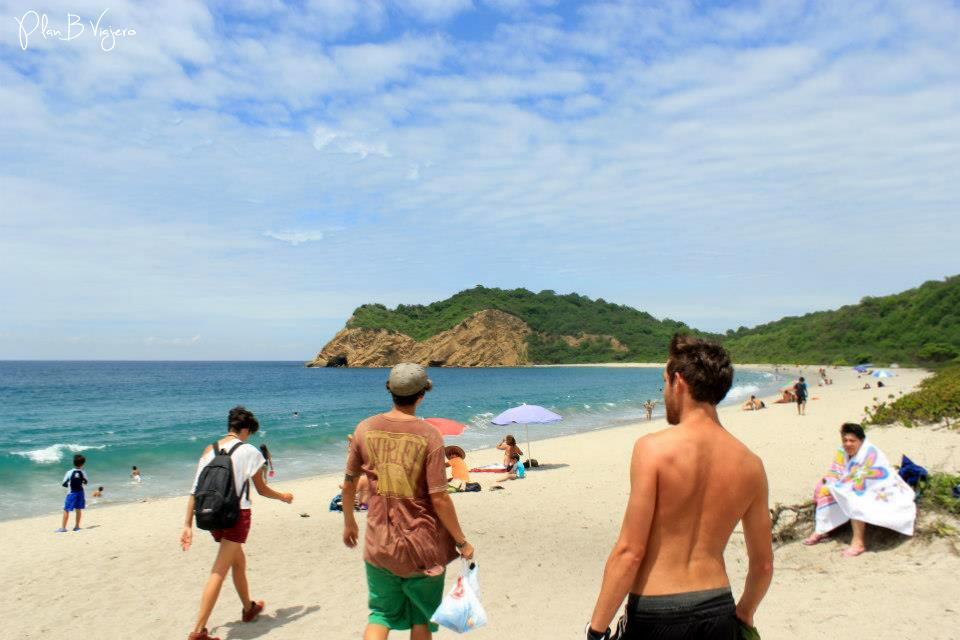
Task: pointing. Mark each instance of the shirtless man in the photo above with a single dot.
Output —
(690, 485)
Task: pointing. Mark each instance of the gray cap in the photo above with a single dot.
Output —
(407, 379)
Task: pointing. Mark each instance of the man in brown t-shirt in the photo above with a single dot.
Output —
(412, 527)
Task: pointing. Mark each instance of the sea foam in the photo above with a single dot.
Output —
(742, 391)
(53, 453)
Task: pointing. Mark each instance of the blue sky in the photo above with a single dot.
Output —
(234, 179)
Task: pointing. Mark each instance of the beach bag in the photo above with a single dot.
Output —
(460, 609)
(912, 473)
(216, 502)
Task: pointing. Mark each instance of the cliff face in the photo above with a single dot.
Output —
(486, 339)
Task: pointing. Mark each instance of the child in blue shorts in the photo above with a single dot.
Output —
(76, 501)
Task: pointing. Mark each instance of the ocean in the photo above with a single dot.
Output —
(160, 415)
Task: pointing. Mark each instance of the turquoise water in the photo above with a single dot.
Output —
(160, 415)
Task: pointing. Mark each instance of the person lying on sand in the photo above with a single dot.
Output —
(753, 404)
(861, 487)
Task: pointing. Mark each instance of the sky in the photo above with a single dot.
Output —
(234, 178)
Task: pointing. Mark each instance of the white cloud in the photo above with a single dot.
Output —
(634, 131)
(295, 237)
(346, 142)
(173, 342)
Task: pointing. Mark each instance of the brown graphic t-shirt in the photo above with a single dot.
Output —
(404, 462)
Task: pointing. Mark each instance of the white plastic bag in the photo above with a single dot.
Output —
(461, 610)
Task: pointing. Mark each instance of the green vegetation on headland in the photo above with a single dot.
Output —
(640, 336)
(937, 400)
(916, 327)
(919, 326)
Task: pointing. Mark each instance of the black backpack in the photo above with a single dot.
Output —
(216, 502)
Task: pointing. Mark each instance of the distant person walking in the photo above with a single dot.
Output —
(75, 501)
(800, 391)
(247, 464)
(690, 485)
(649, 405)
(412, 527)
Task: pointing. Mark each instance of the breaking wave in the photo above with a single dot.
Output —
(742, 391)
(54, 453)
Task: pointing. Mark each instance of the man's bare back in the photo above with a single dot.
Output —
(706, 481)
(689, 487)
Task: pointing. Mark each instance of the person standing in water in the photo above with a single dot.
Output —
(690, 485)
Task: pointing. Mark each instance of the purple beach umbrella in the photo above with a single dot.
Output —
(527, 414)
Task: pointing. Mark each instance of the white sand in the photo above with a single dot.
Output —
(541, 546)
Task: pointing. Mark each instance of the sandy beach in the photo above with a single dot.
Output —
(541, 546)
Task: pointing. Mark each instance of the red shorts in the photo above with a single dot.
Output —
(238, 532)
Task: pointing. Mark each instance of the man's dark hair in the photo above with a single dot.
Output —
(79, 460)
(801, 379)
(853, 429)
(407, 401)
(705, 366)
(240, 419)
(134, 467)
(515, 456)
(100, 489)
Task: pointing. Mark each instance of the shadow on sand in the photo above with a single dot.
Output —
(264, 624)
(547, 467)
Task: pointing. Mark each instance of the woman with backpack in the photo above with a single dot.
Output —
(220, 501)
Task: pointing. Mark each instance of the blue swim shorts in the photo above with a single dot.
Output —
(75, 500)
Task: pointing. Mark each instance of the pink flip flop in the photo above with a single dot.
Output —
(816, 538)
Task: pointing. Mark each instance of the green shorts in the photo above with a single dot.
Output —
(399, 603)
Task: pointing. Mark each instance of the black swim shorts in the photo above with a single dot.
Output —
(698, 615)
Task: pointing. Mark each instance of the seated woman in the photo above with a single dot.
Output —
(861, 487)
(787, 397)
(459, 474)
(509, 447)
